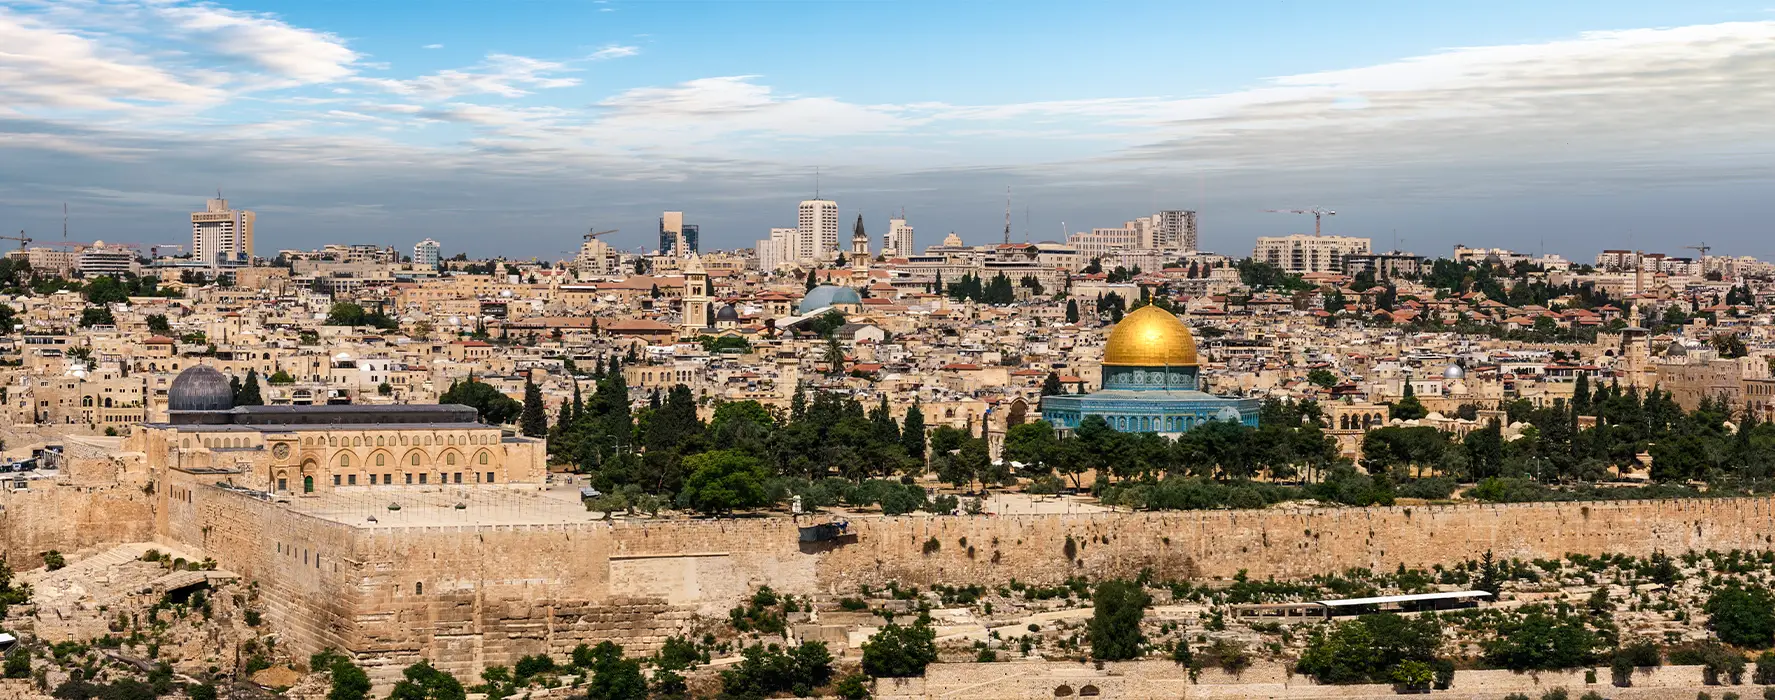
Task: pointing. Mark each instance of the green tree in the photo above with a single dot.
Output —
(345, 313)
(1051, 386)
(1368, 648)
(249, 391)
(1031, 444)
(613, 677)
(105, 289)
(97, 317)
(1542, 640)
(495, 408)
(900, 652)
(1742, 616)
(349, 681)
(724, 480)
(1322, 378)
(158, 325)
(535, 422)
(912, 436)
(1072, 311)
(423, 682)
(1117, 609)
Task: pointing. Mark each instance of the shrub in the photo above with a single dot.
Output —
(1117, 609)
(53, 560)
(853, 687)
(1743, 616)
(766, 670)
(899, 652)
(1765, 670)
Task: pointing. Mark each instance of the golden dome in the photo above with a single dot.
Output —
(1150, 337)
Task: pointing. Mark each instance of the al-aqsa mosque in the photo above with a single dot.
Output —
(1150, 382)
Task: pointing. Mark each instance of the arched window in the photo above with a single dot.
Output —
(482, 458)
(345, 459)
(450, 459)
(414, 460)
(379, 459)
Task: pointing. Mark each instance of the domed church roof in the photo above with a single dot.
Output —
(200, 388)
(727, 313)
(827, 295)
(1150, 337)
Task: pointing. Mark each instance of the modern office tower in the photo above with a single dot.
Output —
(816, 238)
(671, 233)
(898, 241)
(222, 236)
(425, 253)
(691, 233)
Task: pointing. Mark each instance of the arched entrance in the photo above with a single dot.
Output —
(308, 484)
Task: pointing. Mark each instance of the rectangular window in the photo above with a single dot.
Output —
(489, 477)
(422, 478)
(409, 478)
(335, 479)
(283, 484)
(419, 588)
(458, 477)
(351, 480)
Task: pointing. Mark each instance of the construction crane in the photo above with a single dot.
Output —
(22, 239)
(594, 233)
(1318, 215)
(1703, 248)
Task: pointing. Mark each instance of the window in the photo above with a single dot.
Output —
(419, 588)
(335, 479)
(283, 484)
(345, 460)
(482, 458)
(415, 459)
(422, 478)
(351, 480)
(489, 477)
(458, 477)
(409, 478)
(450, 459)
(379, 458)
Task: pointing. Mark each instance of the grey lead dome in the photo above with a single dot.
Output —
(200, 388)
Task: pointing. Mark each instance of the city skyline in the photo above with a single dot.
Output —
(1569, 129)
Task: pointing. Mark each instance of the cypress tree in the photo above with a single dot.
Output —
(535, 421)
(249, 391)
(1072, 311)
(912, 432)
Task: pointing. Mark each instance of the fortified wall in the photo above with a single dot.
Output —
(467, 596)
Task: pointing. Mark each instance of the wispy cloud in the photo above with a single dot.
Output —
(614, 51)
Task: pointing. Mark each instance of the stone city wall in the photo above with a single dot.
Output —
(470, 596)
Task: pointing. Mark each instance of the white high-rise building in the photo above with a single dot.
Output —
(777, 251)
(222, 236)
(1175, 229)
(816, 238)
(898, 241)
(1301, 253)
(425, 253)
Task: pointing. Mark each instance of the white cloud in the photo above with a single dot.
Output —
(500, 74)
(291, 54)
(432, 46)
(614, 51)
(43, 66)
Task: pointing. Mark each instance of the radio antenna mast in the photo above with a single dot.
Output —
(1007, 215)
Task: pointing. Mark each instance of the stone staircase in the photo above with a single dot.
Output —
(70, 601)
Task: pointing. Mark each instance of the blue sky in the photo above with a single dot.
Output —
(509, 127)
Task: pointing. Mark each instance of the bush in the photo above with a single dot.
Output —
(900, 652)
(18, 664)
(1765, 671)
(853, 687)
(1369, 649)
(1114, 630)
(53, 560)
(766, 670)
(1742, 616)
(1433, 488)
(678, 654)
(1413, 675)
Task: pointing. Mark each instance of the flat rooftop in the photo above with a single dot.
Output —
(434, 506)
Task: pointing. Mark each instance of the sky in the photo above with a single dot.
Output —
(510, 127)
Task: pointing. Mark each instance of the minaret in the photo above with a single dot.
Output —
(859, 246)
(698, 306)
